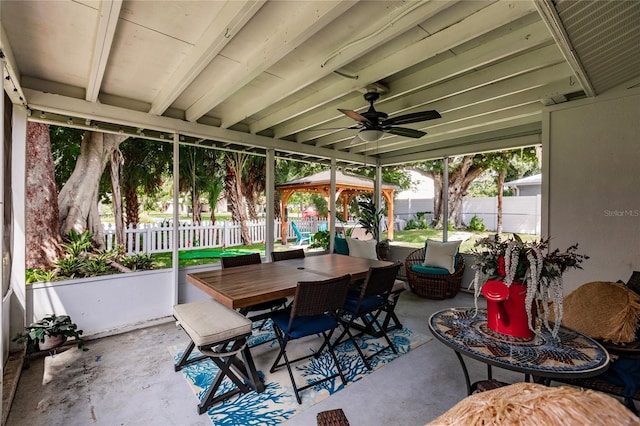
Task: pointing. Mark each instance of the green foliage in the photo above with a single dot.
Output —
(65, 149)
(50, 325)
(95, 266)
(476, 224)
(82, 260)
(321, 240)
(322, 207)
(36, 275)
(411, 224)
(370, 218)
(138, 262)
(69, 267)
(77, 243)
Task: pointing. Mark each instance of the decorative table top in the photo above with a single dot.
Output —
(570, 355)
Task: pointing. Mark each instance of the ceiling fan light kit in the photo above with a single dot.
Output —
(374, 123)
(370, 135)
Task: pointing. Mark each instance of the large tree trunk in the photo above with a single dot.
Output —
(42, 227)
(116, 197)
(78, 199)
(132, 206)
(501, 176)
(438, 197)
(464, 172)
(459, 182)
(233, 189)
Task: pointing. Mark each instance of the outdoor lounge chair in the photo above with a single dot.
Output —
(301, 237)
(366, 305)
(313, 312)
(433, 286)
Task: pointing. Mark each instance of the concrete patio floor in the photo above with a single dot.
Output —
(128, 379)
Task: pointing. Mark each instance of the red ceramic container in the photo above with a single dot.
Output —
(506, 312)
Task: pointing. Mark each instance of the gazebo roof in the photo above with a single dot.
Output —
(343, 181)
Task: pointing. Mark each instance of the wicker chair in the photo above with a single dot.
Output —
(277, 256)
(313, 313)
(433, 286)
(252, 259)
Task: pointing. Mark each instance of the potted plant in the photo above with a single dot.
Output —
(370, 219)
(521, 276)
(49, 333)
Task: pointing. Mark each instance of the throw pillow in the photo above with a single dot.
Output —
(441, 255)
(603, 310)
(340, 246)
(362, 248)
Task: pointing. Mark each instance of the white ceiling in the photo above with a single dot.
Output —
(268, 74)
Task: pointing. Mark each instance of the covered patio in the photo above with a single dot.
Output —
(285, 80)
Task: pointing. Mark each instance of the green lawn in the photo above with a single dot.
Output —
(411, 238)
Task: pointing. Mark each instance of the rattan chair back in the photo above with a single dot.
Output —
(277, 256)
(380, 280)
(245, 259)
(319, 297)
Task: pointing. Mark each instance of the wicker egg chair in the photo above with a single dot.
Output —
(433, 286)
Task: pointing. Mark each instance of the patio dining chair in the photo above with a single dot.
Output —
(313, 312)
(366, 305)
(301, 236)
(252, 259)
(277, 256)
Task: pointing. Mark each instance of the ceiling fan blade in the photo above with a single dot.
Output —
(403, 131)
(412, 118)
(355, 126)
(356, 140)
(354, 115)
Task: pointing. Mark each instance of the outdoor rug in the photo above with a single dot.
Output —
(278, 402)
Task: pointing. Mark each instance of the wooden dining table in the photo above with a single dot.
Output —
(250, 285)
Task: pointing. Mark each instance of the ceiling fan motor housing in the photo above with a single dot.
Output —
(371, 114)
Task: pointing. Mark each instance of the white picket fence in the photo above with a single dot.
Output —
(158, 237)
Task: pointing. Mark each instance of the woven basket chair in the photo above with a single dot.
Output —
(433, 286)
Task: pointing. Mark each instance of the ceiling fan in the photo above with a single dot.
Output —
(373, 123)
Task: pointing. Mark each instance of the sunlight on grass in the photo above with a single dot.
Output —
(410, 238)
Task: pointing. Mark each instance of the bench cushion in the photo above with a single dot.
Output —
(208, 322)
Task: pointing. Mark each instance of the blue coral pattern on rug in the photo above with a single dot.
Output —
(278, 403)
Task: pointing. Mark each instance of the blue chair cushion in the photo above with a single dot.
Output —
(341, 246)
(429, 270)
(368, 304)
(303, 326)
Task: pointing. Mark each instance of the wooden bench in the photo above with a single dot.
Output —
(220, 334)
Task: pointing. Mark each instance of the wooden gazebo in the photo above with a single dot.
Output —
(347, 187)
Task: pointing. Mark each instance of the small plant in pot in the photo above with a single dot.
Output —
(370, 221)
(49, 333)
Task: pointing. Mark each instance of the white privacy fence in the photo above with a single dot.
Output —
(519, 214)
(158, 237)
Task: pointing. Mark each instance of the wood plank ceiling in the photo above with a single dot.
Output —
(252, 75)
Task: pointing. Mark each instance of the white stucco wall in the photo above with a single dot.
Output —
(592, 184)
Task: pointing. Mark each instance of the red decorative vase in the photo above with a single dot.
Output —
(506, 310)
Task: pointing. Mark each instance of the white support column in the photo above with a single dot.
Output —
(445, 199)
(270, 192)
(19, 308)
(4, 337)
(175, 260)
(377, 187)
(332, 205)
